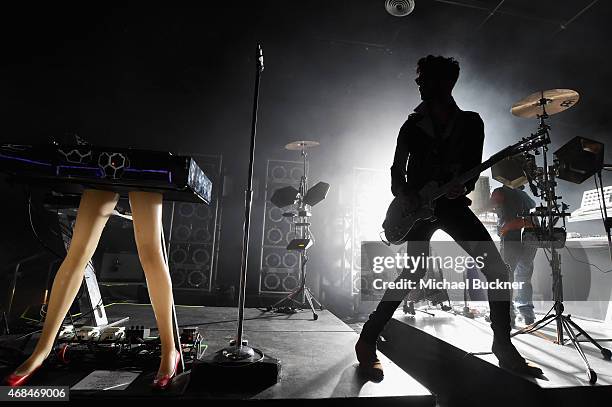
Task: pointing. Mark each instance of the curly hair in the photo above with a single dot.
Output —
(439, 67)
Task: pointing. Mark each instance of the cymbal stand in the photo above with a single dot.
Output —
(550, 214)
(302, 229)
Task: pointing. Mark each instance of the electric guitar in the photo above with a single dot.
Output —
(403, 213)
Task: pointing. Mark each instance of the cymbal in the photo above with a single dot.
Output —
(553, 101)
(301, 145)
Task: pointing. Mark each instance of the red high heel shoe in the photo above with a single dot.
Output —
(14, 380)
(164, 381)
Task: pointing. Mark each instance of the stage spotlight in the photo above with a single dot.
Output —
(399, 8)
(579, 159)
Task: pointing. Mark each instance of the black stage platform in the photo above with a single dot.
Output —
(318, 361)
(438, 351)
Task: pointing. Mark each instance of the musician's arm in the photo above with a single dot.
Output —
(399, 184)
(474, 152)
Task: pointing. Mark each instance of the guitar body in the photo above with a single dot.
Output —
(404, 213)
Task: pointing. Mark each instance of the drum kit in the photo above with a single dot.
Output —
(300, 201)
(543, 180)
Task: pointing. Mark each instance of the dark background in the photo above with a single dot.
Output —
(340, 72)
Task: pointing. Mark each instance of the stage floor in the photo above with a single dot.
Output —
(455, 339)
(318, 360)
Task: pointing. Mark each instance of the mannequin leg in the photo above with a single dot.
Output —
(94, 210)
(146, 215)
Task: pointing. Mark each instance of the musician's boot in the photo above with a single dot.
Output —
(365, 348)
(509, 358)
(369, 363)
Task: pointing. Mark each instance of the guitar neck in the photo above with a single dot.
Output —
(536, 140)
(463, 178)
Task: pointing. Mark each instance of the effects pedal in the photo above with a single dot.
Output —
(66, 333)
(113, 334)
(88, 333)
(137, 334)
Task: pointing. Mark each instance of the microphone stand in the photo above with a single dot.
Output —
(239, 349)
(240, 365)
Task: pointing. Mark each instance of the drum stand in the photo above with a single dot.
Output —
(307, 298)
(550, 214)
(302, 228)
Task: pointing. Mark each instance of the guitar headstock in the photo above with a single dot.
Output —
(536, 140)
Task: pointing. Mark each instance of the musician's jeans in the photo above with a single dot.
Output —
(467, 230)
(520, 259)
